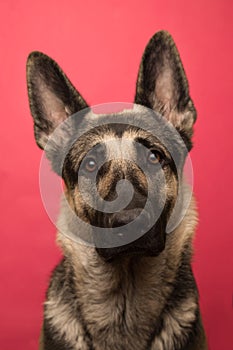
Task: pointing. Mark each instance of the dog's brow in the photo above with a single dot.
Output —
(99, 149)
(145, 142)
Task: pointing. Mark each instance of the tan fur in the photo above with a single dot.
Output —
(173, 323)
(65, 323)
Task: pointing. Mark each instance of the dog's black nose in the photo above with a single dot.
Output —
(129, 215)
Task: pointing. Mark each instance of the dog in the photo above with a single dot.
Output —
(133, 288)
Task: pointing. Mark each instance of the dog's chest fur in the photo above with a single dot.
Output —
(142, 307)
(120, 319)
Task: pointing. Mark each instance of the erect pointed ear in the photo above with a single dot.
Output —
(162, 84)
(52, 97)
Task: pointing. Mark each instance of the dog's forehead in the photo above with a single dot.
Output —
(121, 128)
(138, 115)
(120, 132)
(119, 145)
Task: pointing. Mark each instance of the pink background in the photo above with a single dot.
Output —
(99, 45)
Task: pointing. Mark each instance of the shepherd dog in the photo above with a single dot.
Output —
(128, 216)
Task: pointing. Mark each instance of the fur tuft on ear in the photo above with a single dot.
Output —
(162, 85)
(52, 96)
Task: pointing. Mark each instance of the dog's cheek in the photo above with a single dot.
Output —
(171, 189)
(76, 203)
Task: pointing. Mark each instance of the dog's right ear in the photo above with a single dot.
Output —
(162, 85)
(52, 96)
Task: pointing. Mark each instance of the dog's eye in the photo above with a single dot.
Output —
(90, 164)
(154, 157)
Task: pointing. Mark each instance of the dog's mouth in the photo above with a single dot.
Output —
(126, 217)
(149, 241)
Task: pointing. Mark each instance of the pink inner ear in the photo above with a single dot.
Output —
(164, 91)
(54, 108)
(165, 100)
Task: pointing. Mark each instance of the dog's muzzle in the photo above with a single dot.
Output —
(126, 216)
(151, 239)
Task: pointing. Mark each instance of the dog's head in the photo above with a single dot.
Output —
(99, 155)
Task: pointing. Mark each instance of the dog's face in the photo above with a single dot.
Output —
(136, 146)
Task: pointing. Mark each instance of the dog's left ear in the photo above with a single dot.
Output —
(162, 85)
(52, 96)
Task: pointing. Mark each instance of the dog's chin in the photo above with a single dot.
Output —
(113, 254)
(149, 245)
